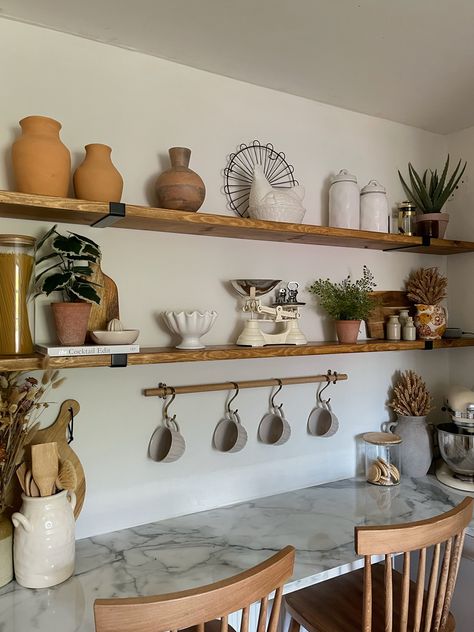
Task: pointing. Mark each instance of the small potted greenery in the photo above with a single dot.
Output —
(430, 193)
(66, 267)
(348, 302)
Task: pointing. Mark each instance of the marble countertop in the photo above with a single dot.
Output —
(204, 547)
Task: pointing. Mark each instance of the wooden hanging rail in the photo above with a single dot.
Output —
(163, 390)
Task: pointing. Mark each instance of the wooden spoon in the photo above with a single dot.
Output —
(20, 472)
(44, 466)
(67, 477)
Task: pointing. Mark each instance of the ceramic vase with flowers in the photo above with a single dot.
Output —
(429, 193)
(412, 402)
(426, 287)
(348, 303)
(65, 267)
(20, 405)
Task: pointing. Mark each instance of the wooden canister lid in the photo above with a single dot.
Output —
(381, 438)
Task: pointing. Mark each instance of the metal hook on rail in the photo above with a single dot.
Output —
(236, 386)
(168, 404)
(272, 399)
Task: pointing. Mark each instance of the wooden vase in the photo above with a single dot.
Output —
(96, 178)
(347, 331)
(179, 187)
(41, 163)
(71, 322)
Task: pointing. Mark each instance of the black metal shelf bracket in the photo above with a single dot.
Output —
(425, 242)
(428, 345)
(119, 360)
(116, 211)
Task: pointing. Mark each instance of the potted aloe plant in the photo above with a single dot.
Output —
(430, 193)
(65, 267)
(348, 302)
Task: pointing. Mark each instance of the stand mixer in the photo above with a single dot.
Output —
(284, 310)
(456, 441)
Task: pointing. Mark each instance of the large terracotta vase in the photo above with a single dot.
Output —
(71, 322)
(6, 550)
(41, 163)
(430, 321)
(180, 188)
(97, 178)
(347, 331)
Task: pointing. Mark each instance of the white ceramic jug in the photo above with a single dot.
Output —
(344, 201)
(44, 543)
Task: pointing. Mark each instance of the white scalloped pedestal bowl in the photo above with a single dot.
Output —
(190, 326)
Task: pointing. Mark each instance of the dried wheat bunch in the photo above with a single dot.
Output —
(411, 397)
(426, 286)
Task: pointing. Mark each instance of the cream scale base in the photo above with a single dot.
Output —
(446, 476)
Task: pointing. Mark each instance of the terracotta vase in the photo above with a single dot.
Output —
(180, 188)
(432, 224)
(41, 163)
(97, 178)
(430, 321)
(347, 330)
(71, 322)
(6, 550)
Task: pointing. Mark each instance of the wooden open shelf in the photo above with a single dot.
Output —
(55, 209)
(164, 355)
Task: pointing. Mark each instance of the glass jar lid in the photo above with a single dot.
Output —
(406, 205)
(381, 438)
(343, 176)
(17, 240)
(373, 187)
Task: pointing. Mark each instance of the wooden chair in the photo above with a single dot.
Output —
(199, 608)
(379, 599)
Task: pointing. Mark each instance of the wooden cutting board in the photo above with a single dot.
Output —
(388, 303)
(108, 309)
(58, 432)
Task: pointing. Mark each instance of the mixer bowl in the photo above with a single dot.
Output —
(457, 449)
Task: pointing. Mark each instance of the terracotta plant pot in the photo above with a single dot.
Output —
(180, 188)
(347, 330)
(430, 321)
(71, 322)
(432, 224)
(96, 178)
(41, 163)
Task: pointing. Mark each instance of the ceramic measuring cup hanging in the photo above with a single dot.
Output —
(229, 434)
(167, 444)
(322, 422)
(274, 429)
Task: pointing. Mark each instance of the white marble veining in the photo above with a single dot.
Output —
(204, 547)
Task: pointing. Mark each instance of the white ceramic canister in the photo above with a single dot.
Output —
(374, 207)
(344, 201)
(44, 542)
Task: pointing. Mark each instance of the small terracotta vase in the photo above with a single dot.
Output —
(180, 188)
(71, 322)
(347, 330)
(41, 163)
(97, 178)
(430, 321)
(432, 224)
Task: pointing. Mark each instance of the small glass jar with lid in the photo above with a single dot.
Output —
(16, 269)
(407, 218)
(382, 458)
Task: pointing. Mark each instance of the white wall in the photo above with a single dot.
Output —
(141, 106)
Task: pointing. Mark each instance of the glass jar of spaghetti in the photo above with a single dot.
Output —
(16, 268)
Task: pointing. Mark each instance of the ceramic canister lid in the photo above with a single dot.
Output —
(343, 176)
(373, 187)
(381, 438)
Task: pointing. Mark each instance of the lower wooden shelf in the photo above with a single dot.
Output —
(164, 355)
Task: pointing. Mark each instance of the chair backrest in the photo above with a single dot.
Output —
(195, 607)
(445, 534)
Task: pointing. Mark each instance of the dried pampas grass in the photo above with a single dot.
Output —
(411, 396)
(426, 286)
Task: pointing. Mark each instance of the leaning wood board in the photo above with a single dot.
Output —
(388, 303)
(57, 431)
(108, 308)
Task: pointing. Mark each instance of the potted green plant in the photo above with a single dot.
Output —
(348, 302)
(67, 268)
(430, 193)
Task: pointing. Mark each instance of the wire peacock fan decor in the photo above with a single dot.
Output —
(238, 174)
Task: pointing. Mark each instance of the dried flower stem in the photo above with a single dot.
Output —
(411, 396)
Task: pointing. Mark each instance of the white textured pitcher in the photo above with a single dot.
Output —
(44, 542)
(417, 444)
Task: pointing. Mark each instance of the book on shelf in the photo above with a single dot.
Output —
(86, 350)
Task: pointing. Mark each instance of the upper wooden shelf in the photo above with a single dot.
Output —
(164, 355)
(54, 209)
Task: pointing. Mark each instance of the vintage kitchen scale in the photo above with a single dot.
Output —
(456, 441)
(285, 311)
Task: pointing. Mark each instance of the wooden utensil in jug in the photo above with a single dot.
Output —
(58, 432)
(45, 466)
